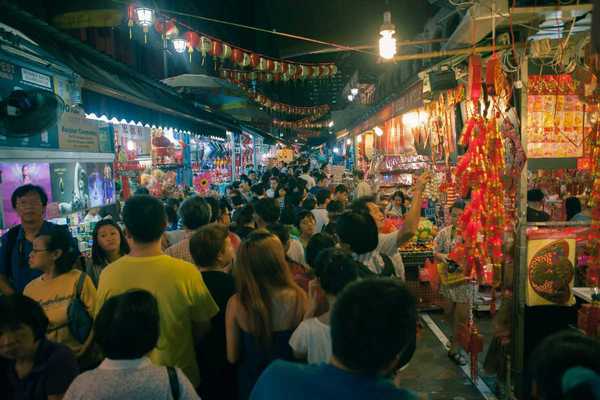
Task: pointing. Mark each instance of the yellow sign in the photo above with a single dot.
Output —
(285, 155)
(88, 19)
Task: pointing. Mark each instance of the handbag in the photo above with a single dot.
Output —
(80, 322)
(173, 382)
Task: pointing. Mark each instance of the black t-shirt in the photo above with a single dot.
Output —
(54, 369)
(212, 350)
(534, 215)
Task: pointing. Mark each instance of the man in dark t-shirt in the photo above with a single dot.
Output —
(535, 201)
(368, 348)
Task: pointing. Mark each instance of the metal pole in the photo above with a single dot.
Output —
(449, 53)
(520, 264)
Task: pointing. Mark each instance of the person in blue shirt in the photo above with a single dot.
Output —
(29, 201)
(373, 335)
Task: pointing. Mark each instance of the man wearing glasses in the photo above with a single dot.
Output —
(29, 201)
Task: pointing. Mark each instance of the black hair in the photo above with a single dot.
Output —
(224, 205)
(369, 331)
(258, 189)
(274, 178)
(322, 196)
(306, 168)
(244, 178)
(215, 208)
(303, 214)
(535, 195)
(316, 245)
(127, 326)
(207, 243)
(361, 204)
(335, 206)
(59, 238)
(235, 185)
(17, 310)
(142, 190)
(244, 215)
(572, 207)
(358, 230)
(558, 353)
(288, 215)
(309, 204)
(25, 190)
(399, 193)
(99, 257)
(281, 231)
(195, 212)
(341, 188)
(359, 174)
(268, 210)
(171, 207)
(335, 269)
(145, 218)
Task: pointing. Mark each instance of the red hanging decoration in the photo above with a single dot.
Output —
(254, 59)
(130, 19)
(226, 53)
(193, 40)
(237, 56)
(474, 85)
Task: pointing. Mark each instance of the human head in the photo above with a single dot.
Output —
(258, 190)
(273, 183)
(23, 324)
(316, 245)
(107, 238)
(456, 210)
(306, 168)
(210, 246)
(245, 183)
(374, 334)
(305, 221)
(141, 191)
(244, 216)
(341, 194)
(56, 248)
(334, 209)
(335, 269)
(321, 180)
(309, 203)
(252, 175)
(267, 210)
(215, 209)
(323, 197)
(282, 233)
(556, 355)
(145, 219)
(535, 197)
(127, 326)
(358, 231)
(224, 212)
(29, 201)
(281, 191)
(572, 207)
(359, 174)
(237, 201)
(195, 212)
(398, 199)
(261, 267)
(368, 205)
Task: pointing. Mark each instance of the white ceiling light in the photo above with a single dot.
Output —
(350, 97)
(145, 16)
(179, 44)
(354, 91)
(387, 41)
(331, 123)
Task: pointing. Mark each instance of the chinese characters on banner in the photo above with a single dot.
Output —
(556, 118)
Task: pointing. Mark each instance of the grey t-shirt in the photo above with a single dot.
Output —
(128, 379)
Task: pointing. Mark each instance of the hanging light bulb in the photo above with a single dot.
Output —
(179, 45)
(378, 131)
(350, 97)
(387, 42)
(354, 91)
(145, 17)
(348, 142)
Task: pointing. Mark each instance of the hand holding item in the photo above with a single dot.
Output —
(422, 181)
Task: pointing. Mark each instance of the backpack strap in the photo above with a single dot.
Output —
(79, 286)
(388, 266)
(173, 382)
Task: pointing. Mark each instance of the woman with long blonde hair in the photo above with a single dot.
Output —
(264, 313)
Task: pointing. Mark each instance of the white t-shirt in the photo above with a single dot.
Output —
(270, 193)
(296, 251)
(310, 181)
(387, 245)
(321, 218)
(313, 338)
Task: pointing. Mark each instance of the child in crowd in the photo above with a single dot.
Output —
(334, 269)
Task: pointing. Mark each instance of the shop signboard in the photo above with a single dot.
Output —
(70, 186)
(133, 138)
(285, 155)
(77, 133)
(13, 175)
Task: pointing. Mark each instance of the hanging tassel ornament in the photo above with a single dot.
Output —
(130, 19)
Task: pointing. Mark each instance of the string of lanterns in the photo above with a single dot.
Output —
(191, 41)
(305, 123)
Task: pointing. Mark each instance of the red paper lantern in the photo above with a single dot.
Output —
(254, 60)
(217, 48)
(193, 40)
(237, 56)
(270, 65)
(171, 30)
(285, 68)
(276, 77)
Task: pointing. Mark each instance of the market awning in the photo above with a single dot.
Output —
(110, 87)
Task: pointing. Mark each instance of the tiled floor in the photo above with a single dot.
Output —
(431, 372)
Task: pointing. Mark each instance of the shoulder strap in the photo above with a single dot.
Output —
(173, 382)
(388, 265)
(11, 240)
(79, 287)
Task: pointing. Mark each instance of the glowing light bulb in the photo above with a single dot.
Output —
(387, 41)
(348, 141)
(145, 16)
(179, 45)
(354, 91)
(378, 131)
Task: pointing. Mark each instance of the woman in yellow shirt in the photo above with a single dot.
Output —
(54, 254)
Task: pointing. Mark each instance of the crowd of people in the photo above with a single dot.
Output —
(284, 288)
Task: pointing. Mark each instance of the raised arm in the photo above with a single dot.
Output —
(412, 217)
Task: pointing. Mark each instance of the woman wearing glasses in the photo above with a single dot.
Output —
(268, 307)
